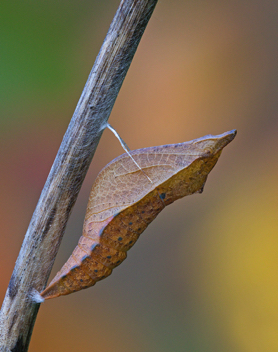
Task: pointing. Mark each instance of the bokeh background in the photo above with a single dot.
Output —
(204, 275)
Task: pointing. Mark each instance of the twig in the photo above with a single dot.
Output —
(44, 235)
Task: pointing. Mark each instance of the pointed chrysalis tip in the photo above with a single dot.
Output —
(36, 297)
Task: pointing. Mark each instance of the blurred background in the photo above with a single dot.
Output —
(204, 275)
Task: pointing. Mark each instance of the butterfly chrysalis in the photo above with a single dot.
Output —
(123, 202)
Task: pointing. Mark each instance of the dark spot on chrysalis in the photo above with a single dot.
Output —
(81, 280)
(130, 223)
(143, 211)
(207, 152)
(162, 195)
(139, 229)
(120, 239)
(95, 270)
(108, 257)
(118, 262)
(130, 242)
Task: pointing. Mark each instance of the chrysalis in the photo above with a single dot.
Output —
(123, 202)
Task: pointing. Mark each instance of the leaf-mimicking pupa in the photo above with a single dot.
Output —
(123, 202)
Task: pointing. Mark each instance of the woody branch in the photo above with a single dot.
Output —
(45, 231)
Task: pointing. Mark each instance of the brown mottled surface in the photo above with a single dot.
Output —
(123, 202)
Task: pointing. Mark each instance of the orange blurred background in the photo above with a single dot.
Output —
(203, 276)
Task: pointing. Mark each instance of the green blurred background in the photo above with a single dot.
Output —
(204, 275)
